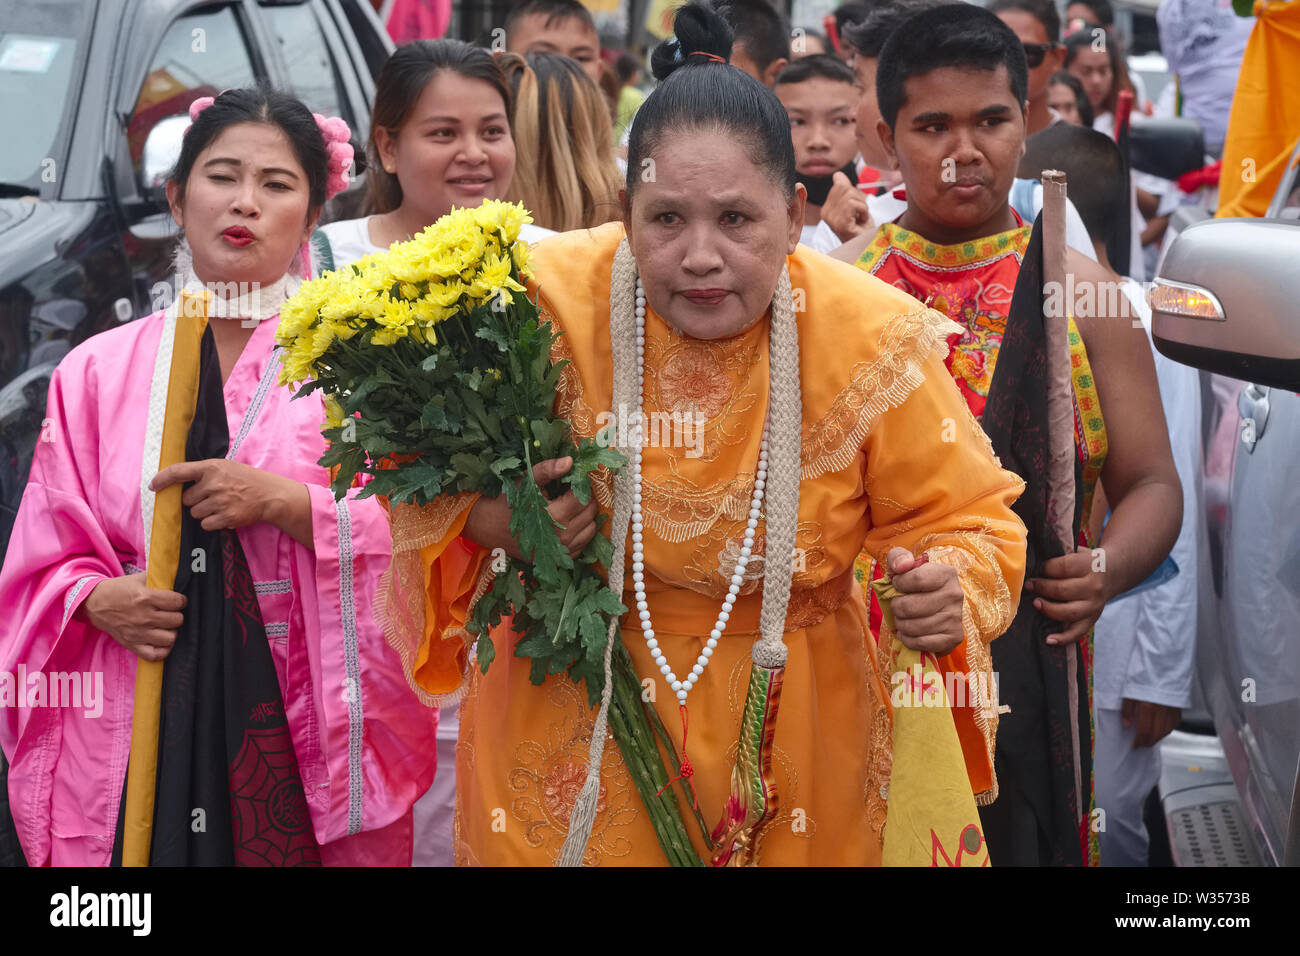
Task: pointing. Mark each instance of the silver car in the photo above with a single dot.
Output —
(1227, 301)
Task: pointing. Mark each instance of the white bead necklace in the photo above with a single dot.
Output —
(682, 688)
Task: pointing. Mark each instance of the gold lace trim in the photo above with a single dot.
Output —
(676, 509)
(416, 527)
(880, 764)
(875, 387)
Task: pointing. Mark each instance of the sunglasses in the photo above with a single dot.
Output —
(1034, 53)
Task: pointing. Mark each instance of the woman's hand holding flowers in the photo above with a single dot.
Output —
(488, 523)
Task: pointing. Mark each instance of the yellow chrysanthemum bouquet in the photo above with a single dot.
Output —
(437, 377)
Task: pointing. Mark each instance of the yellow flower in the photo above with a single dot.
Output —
(296, 367)
(341, 307)
(467, 250)
(321, 340)
(494, 274)
(397, 314)
(296, 316)
(299, 313)
(333, 412)
(429, 313)
(519, 254)
(502, 218)
(445, 294)
(345, 330)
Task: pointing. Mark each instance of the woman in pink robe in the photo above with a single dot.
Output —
(365, 745)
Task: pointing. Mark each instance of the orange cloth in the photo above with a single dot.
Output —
(875, 468)
(1265, 119)
(426, 595)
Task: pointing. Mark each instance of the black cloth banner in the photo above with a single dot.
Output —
(229, 792)
(1036, 820)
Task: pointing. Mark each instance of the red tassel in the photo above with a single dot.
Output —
(687, 771)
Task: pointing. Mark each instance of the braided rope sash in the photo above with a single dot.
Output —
(782, 499)
(753, 799)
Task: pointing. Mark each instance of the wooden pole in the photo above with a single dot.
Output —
(160, 573)
(1058, 287)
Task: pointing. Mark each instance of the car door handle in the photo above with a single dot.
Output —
(1253, 405)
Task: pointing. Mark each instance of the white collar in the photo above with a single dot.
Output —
(250, 303)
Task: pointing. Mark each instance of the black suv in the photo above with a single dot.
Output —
(94, 95)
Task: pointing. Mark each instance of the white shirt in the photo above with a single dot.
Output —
(888, 207)
(1145, 641)
(350, 238)
(820, 237)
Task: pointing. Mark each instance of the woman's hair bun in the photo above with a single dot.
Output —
(697, 28)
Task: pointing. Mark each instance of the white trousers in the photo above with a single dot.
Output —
(433, 811)
(1123, 778)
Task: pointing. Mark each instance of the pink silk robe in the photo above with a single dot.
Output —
(365, 757)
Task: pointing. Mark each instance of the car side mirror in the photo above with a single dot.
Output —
(162, 148)
(1225, 300)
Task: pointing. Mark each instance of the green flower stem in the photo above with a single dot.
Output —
(649, 775)
(636, 741)
(623, 667)
(669, 841)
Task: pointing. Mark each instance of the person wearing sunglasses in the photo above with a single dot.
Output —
(1038, 25)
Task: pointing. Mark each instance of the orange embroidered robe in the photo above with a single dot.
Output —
(890, 456)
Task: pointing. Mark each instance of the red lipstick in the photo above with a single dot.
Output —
(238, 236)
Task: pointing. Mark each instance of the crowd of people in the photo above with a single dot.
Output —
(835, 223)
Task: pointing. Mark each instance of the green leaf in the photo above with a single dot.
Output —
(494, 334)
(600, 550)
(589, 457)
(486, 652)
(472, 468)
(594, 630)
(559, 637)
(536, 645)
(513, 586)
(548, 437)
(434, 415)
(605, 601)
(503, 467)
(535, 530)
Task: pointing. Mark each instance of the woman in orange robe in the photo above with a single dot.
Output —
(889, 456)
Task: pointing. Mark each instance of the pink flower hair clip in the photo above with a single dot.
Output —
(333, 130)
(336, 134)
(199, 105)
